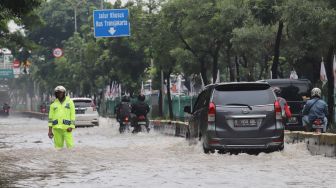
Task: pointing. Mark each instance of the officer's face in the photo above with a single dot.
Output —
(60, 95)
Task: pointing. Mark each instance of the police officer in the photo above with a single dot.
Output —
(61, 119)
(140, 108)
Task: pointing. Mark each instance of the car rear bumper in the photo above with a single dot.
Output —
(94, 122)
(245, 143)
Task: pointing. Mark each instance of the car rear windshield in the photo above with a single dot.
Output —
(247, 96)
(82, 103)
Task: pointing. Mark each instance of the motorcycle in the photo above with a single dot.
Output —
(6, 111)
(140, 124)
(124, 125)
(317, 126)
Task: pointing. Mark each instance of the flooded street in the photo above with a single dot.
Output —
(104, 158)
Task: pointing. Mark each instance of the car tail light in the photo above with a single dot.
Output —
(277, 108)
(278, 140)
(126, 119)
(212, 112)
(141, 117)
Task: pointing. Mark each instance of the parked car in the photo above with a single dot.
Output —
(295, 92)
(86, 112)
(243, 116)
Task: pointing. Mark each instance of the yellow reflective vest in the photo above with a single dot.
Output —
(62, 115)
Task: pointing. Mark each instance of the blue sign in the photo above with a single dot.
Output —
(111, 23)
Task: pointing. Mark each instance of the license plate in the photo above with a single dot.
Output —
(293, 120)
(245, 123)
(80, 111)
(142, 123)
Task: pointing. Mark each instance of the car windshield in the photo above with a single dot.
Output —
(243, 97)
(82, 103)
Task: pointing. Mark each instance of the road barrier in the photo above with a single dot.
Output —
(318, 144)
(30, 114)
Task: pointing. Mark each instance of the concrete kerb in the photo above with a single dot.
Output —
(31, 114)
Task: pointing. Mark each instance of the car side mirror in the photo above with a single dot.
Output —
(187, 109)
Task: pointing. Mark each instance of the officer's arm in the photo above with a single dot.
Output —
(51, 116)
(72, 114)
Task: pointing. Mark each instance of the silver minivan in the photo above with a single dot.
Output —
(243, 116)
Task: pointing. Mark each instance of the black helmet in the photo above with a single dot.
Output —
(277, 91)
(141, 97)
(125, 98)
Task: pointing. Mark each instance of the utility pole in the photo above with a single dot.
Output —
(75, 5)
(102, 4)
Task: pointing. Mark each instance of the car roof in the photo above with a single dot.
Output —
(286, 81)
(80, 98)
(236, 83)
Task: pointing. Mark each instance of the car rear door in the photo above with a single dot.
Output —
(244, 111)
(83, 107)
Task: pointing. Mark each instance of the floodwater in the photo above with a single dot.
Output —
(104, 158)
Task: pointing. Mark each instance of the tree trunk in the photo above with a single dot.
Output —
(277, 51)
(170, 102)
(214, 68)
(330, 76)
(231, 65)
(160, 102)
(263, 68)
(203, 72)
(237, 69)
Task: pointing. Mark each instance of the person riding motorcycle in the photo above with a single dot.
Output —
(285, 111)
(140, 108)
(315, 108)
(6, 108)
(122, 111)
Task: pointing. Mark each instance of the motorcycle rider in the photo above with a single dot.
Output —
(6, 108)
(315, 108)
(123, 110)
(140, 108)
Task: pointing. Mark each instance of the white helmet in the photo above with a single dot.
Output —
(60, 88)
(316, 92)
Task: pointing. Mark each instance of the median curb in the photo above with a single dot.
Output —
(317, 144)
(31, 114)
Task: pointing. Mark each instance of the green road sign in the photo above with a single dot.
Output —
(6, 73)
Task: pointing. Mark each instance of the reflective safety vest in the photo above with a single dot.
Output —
(62, 115)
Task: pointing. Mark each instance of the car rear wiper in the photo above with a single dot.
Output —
(238, 104)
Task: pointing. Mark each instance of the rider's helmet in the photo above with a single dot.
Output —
(125, 98)
(141, 97)
(316, 92)
(277, 91)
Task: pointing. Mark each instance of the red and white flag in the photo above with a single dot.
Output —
(323, 74)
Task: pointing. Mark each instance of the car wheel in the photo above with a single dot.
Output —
(281, 148)
(206, 150)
